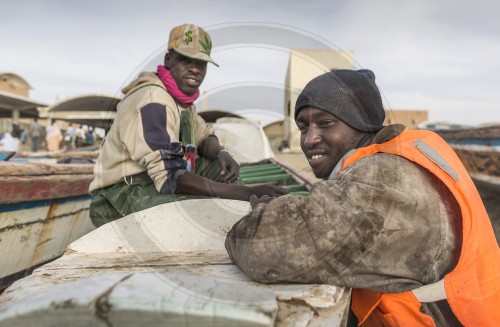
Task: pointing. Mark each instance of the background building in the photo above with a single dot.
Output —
(15, 103)
(303, 66)
(409, 118)
(275, 133)
(95, 110)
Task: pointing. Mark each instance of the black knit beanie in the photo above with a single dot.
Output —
(350, 95)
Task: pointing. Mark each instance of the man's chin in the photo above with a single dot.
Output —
(188, 90)
(320, 174)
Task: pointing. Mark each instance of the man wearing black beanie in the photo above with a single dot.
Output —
(396, 218)
(351, 101)
(350, 95)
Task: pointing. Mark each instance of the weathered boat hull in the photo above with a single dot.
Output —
(478, 149)
(43, 208)
(36, 232)
(139, 270)
(167, 265)
(481, 161)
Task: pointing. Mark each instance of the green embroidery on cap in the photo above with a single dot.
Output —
(207, 45)
(188, 37)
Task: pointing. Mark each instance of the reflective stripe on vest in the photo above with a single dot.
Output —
(431, 292)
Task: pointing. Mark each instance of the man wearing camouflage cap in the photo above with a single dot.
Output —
(396, 217)
(141, 163)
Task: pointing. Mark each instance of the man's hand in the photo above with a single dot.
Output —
(269, 190)
(211, 149)
(190, 183)
(265, 193)
(229, 168)
(254, 200)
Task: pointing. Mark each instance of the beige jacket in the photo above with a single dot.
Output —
(146, 124)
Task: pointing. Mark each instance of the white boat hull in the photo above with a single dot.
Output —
(35, 232)
(164, 265)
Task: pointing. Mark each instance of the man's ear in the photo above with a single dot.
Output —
(166, 59)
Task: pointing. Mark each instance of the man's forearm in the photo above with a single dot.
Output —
(209, 148)
(193, 184)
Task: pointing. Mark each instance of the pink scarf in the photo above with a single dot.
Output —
(184, 99)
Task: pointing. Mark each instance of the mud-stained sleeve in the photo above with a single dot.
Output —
(149, 143)
(355, 231)
(272, 243)
(295, 238)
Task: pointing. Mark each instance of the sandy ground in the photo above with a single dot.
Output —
(489, 193)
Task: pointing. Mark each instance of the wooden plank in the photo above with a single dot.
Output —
(27, 169)
(488, 132)
(59, 307)
(177, 299)
(75, 154)
(16, 189)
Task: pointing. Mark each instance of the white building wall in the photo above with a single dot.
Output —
(304, 65)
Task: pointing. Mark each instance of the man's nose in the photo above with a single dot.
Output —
(195, 67)
(312, 137)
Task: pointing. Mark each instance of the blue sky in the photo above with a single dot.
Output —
(436, 55)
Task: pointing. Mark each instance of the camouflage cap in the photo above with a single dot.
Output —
(191, 41)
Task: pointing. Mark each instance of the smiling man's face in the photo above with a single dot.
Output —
(188, 73)
(325, 139)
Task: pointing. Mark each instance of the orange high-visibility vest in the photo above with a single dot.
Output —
(473, 287)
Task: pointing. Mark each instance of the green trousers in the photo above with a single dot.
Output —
(139, 193)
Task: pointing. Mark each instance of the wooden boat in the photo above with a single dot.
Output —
(139, 269)
(479, 150)
(43, 208)
(78, 155)
(168, 265)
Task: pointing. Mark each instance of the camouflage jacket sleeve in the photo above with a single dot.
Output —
(384, 224)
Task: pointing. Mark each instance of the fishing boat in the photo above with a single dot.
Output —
(43, 208)
(86, 154)
(479, 150)
(168, 265)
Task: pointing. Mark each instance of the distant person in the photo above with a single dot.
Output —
(36, 133)
(79, 136)
(89, 136)
(53, 137)
(16, 131)
(69, 137)
(142, 160)
(396, 217)
(22, 138)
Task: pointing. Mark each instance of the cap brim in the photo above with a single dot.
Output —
(195, 55)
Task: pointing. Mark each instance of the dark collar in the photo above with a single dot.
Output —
(385, 134)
